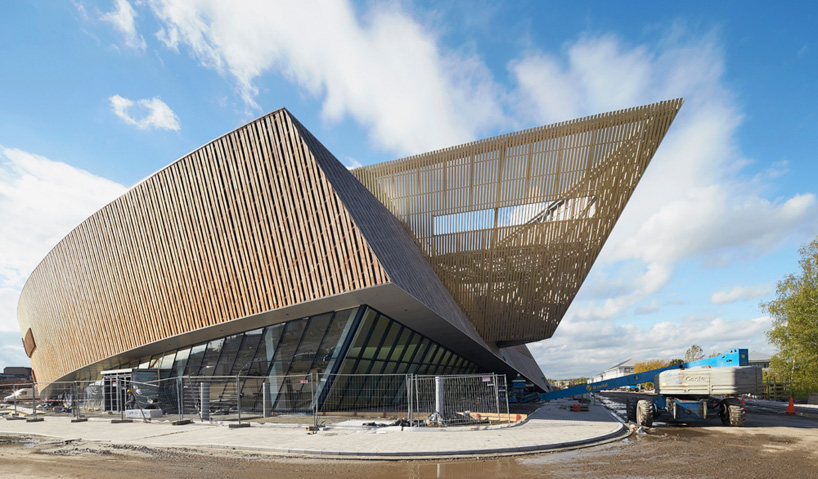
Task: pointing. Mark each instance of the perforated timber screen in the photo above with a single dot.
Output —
(512, 224)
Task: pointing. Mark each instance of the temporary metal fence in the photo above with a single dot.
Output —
(457, 400)
(76, 398)
(366, 395)
(410, 399)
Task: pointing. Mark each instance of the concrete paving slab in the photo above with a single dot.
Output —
(554, 426)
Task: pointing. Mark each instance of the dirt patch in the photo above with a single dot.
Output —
(677, 452)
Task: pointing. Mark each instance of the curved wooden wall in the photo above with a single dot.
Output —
(246, 224)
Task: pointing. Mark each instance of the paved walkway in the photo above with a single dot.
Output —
(553, 426)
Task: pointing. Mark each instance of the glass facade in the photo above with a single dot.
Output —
(384, 346)
(332, 346)
(380, 353)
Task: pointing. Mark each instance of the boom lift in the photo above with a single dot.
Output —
(685, 392)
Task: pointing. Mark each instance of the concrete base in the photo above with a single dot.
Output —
(553, 427)
(34, 419)
(182, 422)
(15, 418)
(120, 421)
(143, 413)
(81, 419)
(240, 424)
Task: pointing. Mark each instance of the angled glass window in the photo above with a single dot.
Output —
(180, 362)
(211, 357)
(376, 337)
(247, 351)
(263, 362)
(287, 346)
(310, 342)
(362, 334)
(389, 342)
(227, 358)
(194, 361)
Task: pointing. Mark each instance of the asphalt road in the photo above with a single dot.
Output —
(757, 416)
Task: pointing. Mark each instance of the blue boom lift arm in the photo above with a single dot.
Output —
(733, 357)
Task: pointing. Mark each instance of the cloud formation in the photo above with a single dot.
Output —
(393, 75)
(693, 202)
(145, 114)
(123, 19)
(588, 347)
(385, 70)
(740, 292)
(40, 202)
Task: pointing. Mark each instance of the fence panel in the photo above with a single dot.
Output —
(458, 400)
(423, 400)
(366, 395)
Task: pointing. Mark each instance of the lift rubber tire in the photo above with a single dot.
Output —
(630, 409)
(732, 413)
(644, 413)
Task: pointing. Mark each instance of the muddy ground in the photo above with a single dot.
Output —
(770, 446)
(665, 452)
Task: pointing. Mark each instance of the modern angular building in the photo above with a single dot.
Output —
(261, 254)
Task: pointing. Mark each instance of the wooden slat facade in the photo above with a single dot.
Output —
(246, 224)
(512, 224)
(265, 217)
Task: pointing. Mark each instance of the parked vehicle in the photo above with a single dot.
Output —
(24, 394)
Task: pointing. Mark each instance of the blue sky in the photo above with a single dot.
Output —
(95, 96)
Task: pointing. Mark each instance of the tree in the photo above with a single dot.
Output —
(795, 324)
(648, 365)
(675, 362)
(694, 353)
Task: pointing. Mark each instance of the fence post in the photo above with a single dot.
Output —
(314, 389)
(180, 403)
(415, 392)
(238, 397)
(265, 398)
(440, 400)
(508, 411)
(34, 403)
(14, 415)
(120, 401)
(75, 404)
(313, 384)
(408, 380)
(204, 401)
(496, 396)
(238, 405)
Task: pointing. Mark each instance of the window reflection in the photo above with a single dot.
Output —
(313, 347)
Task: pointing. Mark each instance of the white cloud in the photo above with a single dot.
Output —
(392, 74)
(383, 69)
(145, 114)
(40, 202)
(739, 292)
(123, 18)
(11, 350)
(587, 347)
(350, 162)
(647, 308)
(692, 202)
